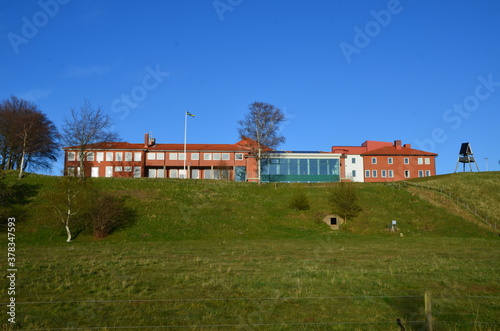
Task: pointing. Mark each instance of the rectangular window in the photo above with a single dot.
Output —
(216, 156)
(208, 174)
(195, 156)
(353, 160)
(128, 157)
(137, 172)
(70, 171)
(195, 174)
(420, 160)
(118, 168)
(374, 173)
(109, 156)
(427, 173)
(374, 160)
(137, 157)
(407, 160)
(174, 173)
(391, 174)
(427, 160)
(207, 156)
(367, 173)
(181, 156)
(100, 156)
(152, 173)
(90, 156)
(383, 173)
(389, 160)
(420, 173)
(71, 156)
(172, 156)
(238, 156)
(407, 173)
(151, 156)
(127, 169)
(225, 156)
(119, 156)
(354, 173)
(160, 156)
(160, 173)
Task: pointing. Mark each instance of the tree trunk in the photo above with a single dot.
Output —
(259, 153)
(68, 232)
(21, 168)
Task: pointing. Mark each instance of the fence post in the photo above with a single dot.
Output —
(428, 310)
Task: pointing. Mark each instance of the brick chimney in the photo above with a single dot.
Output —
(407, 145)
(397, 144)
(146, 140)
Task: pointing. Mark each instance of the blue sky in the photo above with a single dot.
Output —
(422, 71)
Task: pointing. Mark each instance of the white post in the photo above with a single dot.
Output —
(185, 139)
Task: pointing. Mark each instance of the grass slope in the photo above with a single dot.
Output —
(211, 255)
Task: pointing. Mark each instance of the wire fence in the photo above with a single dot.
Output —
(448, 312)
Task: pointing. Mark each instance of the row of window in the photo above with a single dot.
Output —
(195, 173)
(390, 173)
(136, 156)
(390, 160)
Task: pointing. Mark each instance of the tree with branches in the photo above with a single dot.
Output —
(85, 129)
(344, 201)
(27, 137)
(261, 124)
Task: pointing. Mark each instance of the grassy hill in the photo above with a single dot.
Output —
(211, 255)
(203, 209)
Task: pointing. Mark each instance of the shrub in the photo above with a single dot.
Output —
(109, 213)
(300, 201)
(343, 200)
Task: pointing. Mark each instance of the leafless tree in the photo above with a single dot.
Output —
(27, 136)
(261, 124)
(87, 128)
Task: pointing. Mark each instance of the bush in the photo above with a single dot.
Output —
(343, 200)
(300, 201)
(108, 213)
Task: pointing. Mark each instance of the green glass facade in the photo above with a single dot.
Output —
(300, 170)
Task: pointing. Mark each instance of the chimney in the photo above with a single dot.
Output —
(397, 144)
(146, 140)
(407, 145)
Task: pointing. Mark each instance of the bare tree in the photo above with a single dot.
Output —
(261, 124)
(27, 136)
(86, 129)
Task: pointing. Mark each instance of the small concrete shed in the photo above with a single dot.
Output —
(334, 221)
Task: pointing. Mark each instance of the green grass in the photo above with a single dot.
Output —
(212, 253)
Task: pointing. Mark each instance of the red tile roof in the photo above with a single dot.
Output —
(393, 150)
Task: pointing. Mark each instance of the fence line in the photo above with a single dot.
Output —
(483, 217)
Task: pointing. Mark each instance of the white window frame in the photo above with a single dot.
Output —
(367, 173)
(353, 160)
(238, 156)
(391, 174)
(420, 173)
(427, 173)
(118, 169)
(151, 156)
(427, 160)
(353, 173)
(181, 156)
(195, 156)
(420, 160)
(407, 160)
(71, 156)
(207, 156)
(100, 156)
(174, 173)
(216, 156)
(127, 169)
(407, 173)
(160, 173)
(374, 173)
(128, 157)
(383, 173)
(390, 160)
(119, 156)
(172, 156)
(90, 156)
(137, 172)
(160, 156)
(109, 156)
(374, 160)
(137, 156)
(225, 157)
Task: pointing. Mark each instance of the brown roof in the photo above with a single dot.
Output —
(393, 150)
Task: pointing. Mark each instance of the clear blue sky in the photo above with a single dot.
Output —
(424, 71)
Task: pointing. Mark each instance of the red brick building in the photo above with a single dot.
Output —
(121, 159)
(378, 161)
